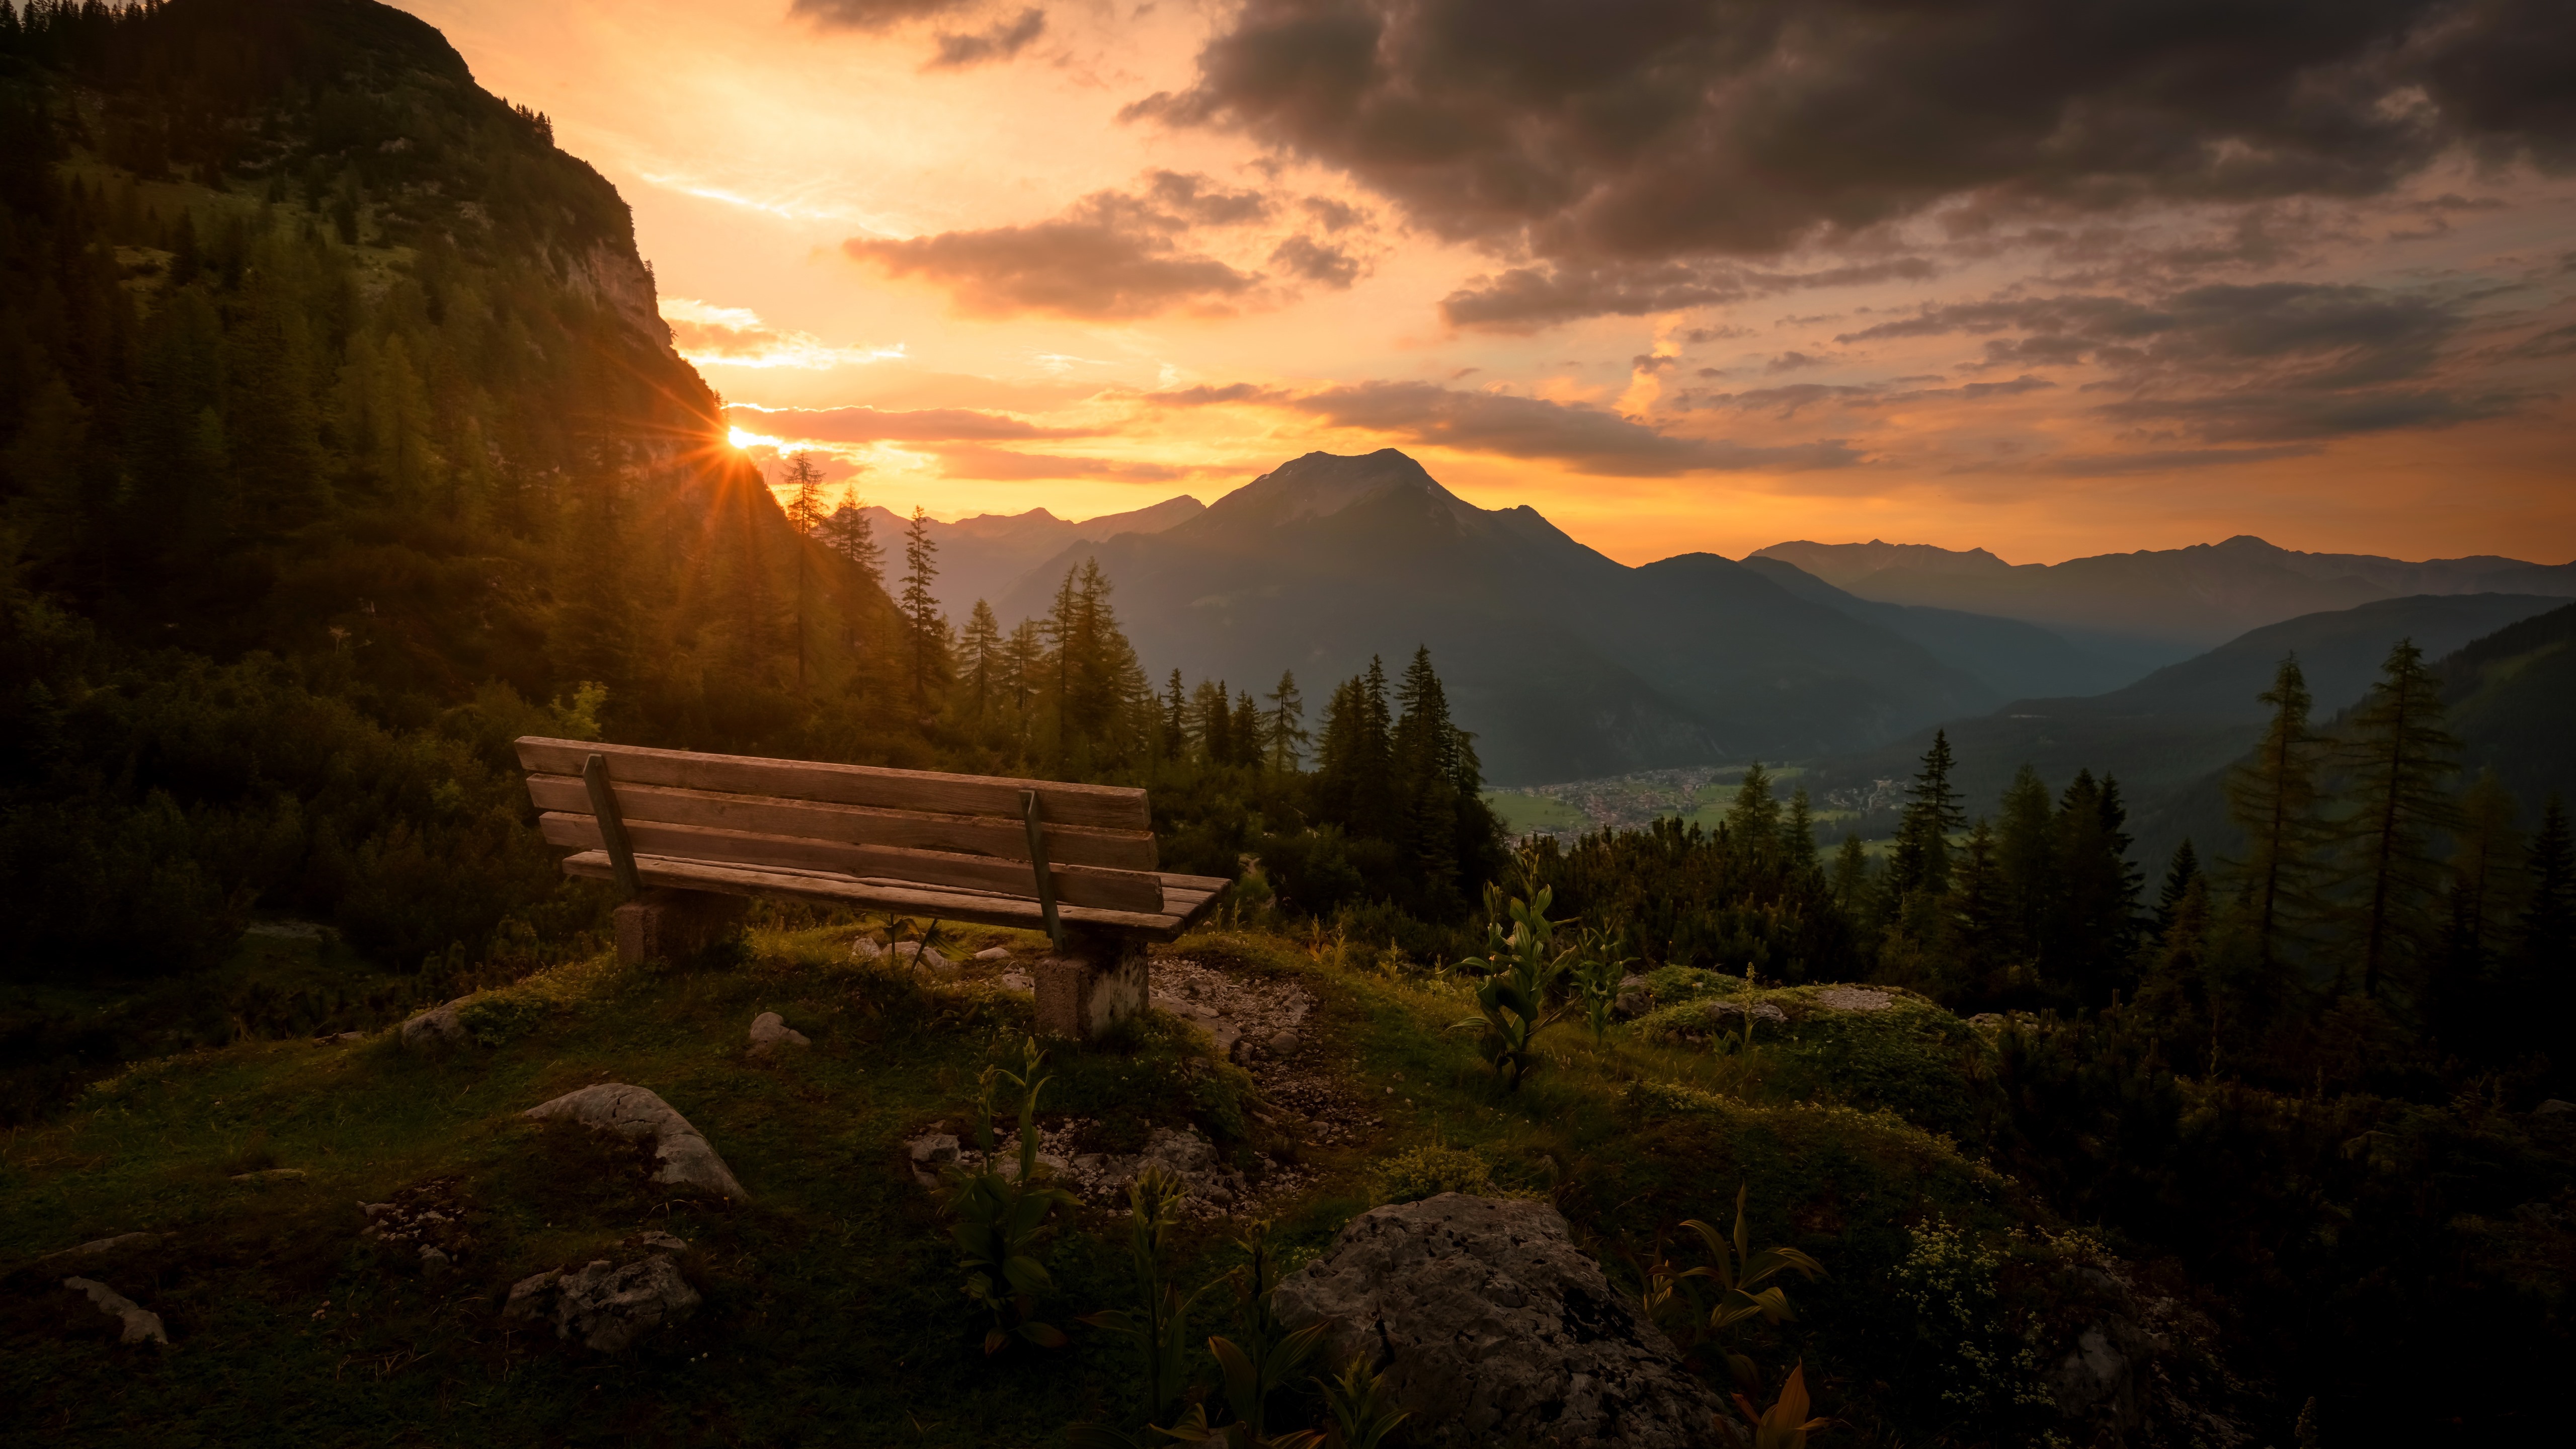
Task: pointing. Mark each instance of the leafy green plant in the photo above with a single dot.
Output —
(1738, 1273)
(1356, 1398)
(1596, 979)
(1160, 1325)
(1002, 1219)
(1521, 970)
(1785, 1424)
(1264, 1353)
(1431, 1170)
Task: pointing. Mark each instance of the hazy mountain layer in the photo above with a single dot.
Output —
(2168, 736)
(1564, 662)
(2014, 658)
(983, 556)
(2193, 597)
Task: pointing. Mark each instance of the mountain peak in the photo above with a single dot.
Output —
(1320, 485)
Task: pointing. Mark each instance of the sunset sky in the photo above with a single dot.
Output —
(1682, 276)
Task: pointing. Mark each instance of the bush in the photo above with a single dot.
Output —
(1430, 1171)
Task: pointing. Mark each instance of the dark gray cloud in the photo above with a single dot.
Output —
(1113, 255)
(1302, 256)
(1600, 136)
(2270, 361)
(1792, 362)
(1196, 199)
(975, 460)
(1586, 438)
(999, 41)
(875, 14)
(1524, 299)
(871, 425)
(1789, 400)
(1333, 215)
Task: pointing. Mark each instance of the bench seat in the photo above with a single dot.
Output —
(1185, 897)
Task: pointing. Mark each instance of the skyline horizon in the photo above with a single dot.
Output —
(1086, 260)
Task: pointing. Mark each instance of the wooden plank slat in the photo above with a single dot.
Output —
(1097, 807)
(1005, 839)
(1116, 890)
(698, 875)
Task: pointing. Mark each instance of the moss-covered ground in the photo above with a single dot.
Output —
(833, 1311)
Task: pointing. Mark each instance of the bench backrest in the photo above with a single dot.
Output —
(913, 827)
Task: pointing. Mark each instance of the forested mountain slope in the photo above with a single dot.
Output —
(340, 441)
(1564, 663)
(2181, 599)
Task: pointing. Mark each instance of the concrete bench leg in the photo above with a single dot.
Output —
(1097, 982)
(676, 925)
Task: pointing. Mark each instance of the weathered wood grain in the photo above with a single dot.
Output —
(1097, 807)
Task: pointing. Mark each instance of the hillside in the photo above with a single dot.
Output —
(2016, 660)
(340, 441)
(2168, 736)
(1563, 662)
(2180, 600)
(2512, 702)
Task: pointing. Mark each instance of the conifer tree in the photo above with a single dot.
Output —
(981, 649)
(1176, 718)
(1851, 876)
(1753, 818)
(1798, 833)
(2543, 971)
(1212, 716)
(1248, 750)
(804, 515)
(2026, 855)
(2092, 932)
(2272, 799)
(1026, 666)
(851, 535)
(925, 631)
(1285, 734)
(2397, 755)
(1975, 922)
(2179, 875)
(1919, 863)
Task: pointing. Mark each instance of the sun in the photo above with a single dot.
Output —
(743, 437)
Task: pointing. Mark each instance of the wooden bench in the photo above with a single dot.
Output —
(689, 837)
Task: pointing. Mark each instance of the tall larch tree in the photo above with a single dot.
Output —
(2399, 758)
(1285, 730)
(925, 631)
(2273, 799)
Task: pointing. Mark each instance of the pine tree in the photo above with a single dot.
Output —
(1212, 714)
(2543, 955)
(981, 649)
(925, 630)
(2178, 878)
(1753, 819)
(850, 534)
(1798, 833)
(1248, 748)
(2026, 854)
(1176, 718)
(1285, 735)
(2272, 798)
(1423, 746)
(2092, 933)
(1026, 671)
(1920, 860)
(804, 515)
(1851, 876)
(1975, 923)
(2397, 754)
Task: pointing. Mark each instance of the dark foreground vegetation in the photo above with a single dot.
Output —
(340, 445)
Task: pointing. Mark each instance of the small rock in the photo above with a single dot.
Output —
(100, 1248)
(1017, 981)
(375, 1209)
(271, 1174)
(865, 949)
(1184, 1154)
(532, 1296)
(347, 1036)
(770, 1031)
(141, 1326)
(1635, 998)
(929, 1154)
(1282, 1043)
(432, 1259)
(687, 1158)
(434, 1029)
(609, 1308)
(922, 955)
(994, 953)
(668, 1242)
(2553, 1107)
(1854, 998)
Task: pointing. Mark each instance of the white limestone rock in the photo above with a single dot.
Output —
(687, 1158)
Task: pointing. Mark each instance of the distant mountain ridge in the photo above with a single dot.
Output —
(2183, 600)
(1563, 661)
(981, 556)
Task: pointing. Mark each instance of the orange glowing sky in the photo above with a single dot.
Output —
(989, 284)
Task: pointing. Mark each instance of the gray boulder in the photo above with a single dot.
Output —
(435, 1029)
(770, 1031)
(687, 1158)
(1491, 1328)
(606, 1307)
(141, 1326)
